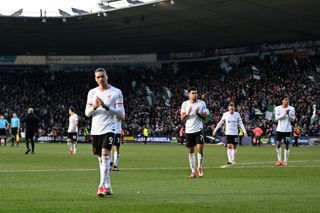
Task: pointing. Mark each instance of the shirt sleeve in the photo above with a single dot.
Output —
(89, 107)
(183, 108)
(118, 109)
(222, 120)
(204, 109)
(241, 124)
(292, 114)
(278, 115)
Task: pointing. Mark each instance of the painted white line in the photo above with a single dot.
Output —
(266, 164)
(47, 170)
(269, 164)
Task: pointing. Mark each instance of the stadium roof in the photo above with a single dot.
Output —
(183, 26)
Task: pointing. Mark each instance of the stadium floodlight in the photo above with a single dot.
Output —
(64, 19)
(79, 12)
(172, 2)
(63, 13)
(105, 7)
(18, 13)
(105, 14)
(44, 20)
(133, 2)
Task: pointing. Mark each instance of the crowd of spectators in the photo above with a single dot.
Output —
(52, 93)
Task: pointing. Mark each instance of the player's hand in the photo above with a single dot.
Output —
(214, 133)
(97, 103)
(246, 135)
(103, 104)
(197, 110)
(189, 111)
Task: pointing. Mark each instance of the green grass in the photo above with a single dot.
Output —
(154, 179)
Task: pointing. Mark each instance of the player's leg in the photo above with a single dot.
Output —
(69, 144)
(27, 143)
(200, 144)
(5, 138)
(234, 151)
(229, 148)
(116, 157)
(32, 143)
(105, 163)
(74, 142)
(97, 149)
(13, 137)
(286, 150)
(75, 146)
(279, 137)
(190, 140)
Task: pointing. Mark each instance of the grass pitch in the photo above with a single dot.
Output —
(153, 178)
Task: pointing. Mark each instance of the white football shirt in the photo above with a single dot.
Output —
(284, 120)
(117, 123)
(232, 122)
(193, 122)
(102, 119)
(73, 123)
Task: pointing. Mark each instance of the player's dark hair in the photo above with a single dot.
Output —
(72, 109)
(100, 70)
(231, 104)
(191, 89)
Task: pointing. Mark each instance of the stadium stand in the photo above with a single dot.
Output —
(146, 97)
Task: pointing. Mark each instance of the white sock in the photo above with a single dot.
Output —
(70, 146)
(101, 171)
(192, 162)
(278, 151)
(105, 171)
(111, 155)
(74, 148)
(234, 154)
(286, 154)
(229, 153)
(116, 158)
(200, 159)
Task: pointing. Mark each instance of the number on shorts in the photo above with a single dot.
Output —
(110, 140)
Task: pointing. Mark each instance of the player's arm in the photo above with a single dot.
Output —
(203, 112)
(122, 117)
(91, 106)
(218, 126)
(242, 127)
(19, 125)
(75, 123)
(184, 113)
(292, 115)
(278, 115)
(118, 108)
(8, 125)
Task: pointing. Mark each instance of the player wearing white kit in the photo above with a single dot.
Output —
(117, 141)
(193, 112)
(72, 138)
(103, 103)
(232, 121)
(284, 115)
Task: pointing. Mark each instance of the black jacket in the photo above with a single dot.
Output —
(32, 122)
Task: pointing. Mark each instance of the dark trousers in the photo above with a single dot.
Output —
(29, 139)
(295, 144)
(240, 140)
(145, 139)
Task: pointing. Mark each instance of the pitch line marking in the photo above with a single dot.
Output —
(237, 166)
